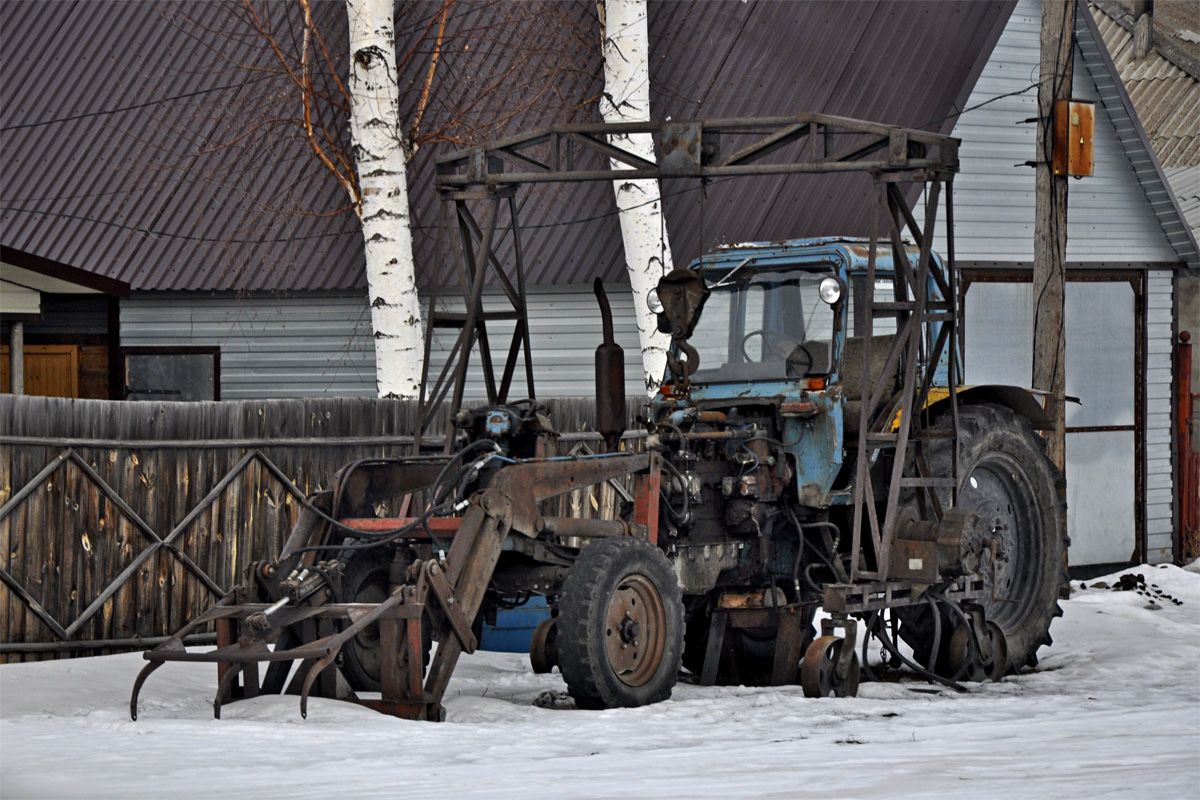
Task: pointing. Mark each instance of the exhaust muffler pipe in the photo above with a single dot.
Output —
(610, 379)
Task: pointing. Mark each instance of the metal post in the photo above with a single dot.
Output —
(16, 356)
(1188, 545)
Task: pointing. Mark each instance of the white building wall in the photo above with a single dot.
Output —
(1159, 400)
(1109, 217)
(319, 344)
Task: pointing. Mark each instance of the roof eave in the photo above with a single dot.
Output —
(1133, 139)
(63, 272)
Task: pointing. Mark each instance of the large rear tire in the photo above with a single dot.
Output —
(366, 580)
(1008, 480)
(620, 625)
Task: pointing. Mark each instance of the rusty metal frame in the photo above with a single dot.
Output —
(489, 175)
(911, 348)
(469, 248)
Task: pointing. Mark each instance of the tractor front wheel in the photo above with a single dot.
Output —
(366, 580)
(620, 625)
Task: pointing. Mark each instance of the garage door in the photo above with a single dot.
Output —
(1102, 432)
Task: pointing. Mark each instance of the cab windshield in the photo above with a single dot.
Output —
(763, 324)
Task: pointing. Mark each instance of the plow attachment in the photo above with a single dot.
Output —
(287, 612)
(239, 655)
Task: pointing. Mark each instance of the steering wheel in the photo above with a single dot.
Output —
(791, 347)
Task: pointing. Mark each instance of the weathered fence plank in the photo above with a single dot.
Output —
(120, 521)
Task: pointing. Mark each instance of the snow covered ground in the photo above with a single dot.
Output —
(1113, 710)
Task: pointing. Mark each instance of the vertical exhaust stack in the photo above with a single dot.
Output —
(610, 379)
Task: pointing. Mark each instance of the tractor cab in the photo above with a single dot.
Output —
(778, 333)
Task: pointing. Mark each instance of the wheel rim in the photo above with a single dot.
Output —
(818, 670)
(635, 630)
(1000, 492)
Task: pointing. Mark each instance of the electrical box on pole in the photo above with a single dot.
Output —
(1074, 147)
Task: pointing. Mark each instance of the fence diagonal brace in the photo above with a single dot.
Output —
(144, 526)
(32, 604)
(33, 484)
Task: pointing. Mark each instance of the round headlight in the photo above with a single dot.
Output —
(653, 303)
(831, 290)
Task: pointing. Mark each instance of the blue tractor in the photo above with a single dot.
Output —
(782, 426)
(812, 468)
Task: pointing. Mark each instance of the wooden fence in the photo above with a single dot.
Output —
(119, 522)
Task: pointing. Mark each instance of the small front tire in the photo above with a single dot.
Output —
(620, 625)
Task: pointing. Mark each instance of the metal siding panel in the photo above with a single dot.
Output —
(1162, 496)
(1158, 481)
(1158, 436)
(1159, 512)
(1111, 217)
(1159, 488)
(564, 329)
(303, 345)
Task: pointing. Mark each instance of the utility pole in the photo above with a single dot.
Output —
(1050, 226)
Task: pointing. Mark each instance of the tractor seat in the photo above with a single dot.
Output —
(853, 385)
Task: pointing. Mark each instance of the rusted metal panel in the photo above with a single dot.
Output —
(1074, 145)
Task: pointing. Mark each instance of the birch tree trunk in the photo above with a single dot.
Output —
(626, 98)
(380, 163)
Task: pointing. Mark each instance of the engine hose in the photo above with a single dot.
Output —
(972, 652)
(440, 505)
(838, 570)
(678, 516)
(937, 632)
(886, 641)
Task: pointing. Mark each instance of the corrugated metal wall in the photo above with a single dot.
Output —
(1159, 399)
(319, 344)
(564, 330)
(1109, 218)
(272, 345)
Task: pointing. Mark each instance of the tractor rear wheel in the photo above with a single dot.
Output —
(620, 625)
(366, 580)
(1007, 479)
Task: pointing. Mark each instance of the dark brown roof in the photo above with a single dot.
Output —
(150, 144)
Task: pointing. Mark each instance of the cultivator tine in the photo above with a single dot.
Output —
(314, 668)
(137, 687)
(224, 686)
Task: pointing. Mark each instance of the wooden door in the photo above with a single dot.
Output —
(51, 370)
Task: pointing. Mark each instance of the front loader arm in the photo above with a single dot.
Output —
(450, 588)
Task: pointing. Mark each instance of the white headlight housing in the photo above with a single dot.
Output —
(653, 303)
(831, 290)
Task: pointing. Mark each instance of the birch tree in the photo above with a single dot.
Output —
(379, 158)
(626, 98)
(456, 78)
